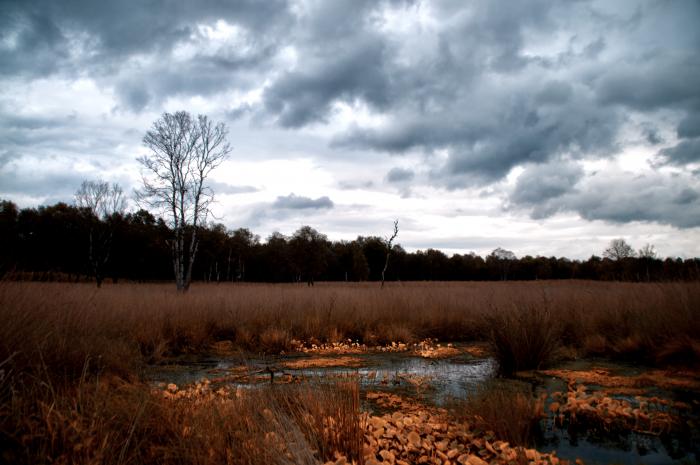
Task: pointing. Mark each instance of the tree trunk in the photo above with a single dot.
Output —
(190, 262)
(386, 265)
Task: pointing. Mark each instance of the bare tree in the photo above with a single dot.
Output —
(100, 201)
(388, 242)
(647, 255)
(618, 249)
(184, 151)
(503, 258)
(647, 252)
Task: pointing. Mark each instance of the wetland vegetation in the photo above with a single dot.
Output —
(420, 372)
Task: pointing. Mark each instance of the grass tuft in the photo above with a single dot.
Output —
(506, 407)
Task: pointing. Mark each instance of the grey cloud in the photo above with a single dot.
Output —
(657, 81)
(622, 198)
(398, 175)
(226, 188)
(98, 40)
(60, 186)
(450, 103)
(305, 96)
(556, 92)
(686, 196)
(539, 183)
(689, 126)
(298, 202)
(355, 185)
(523, 134)
(475, 90)
(686, 151)
(132, 26)
(651, 135)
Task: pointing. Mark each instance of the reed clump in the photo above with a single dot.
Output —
(507, 408)
(525, 338)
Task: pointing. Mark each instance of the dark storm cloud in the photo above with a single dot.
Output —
(126, 27)
(130, 44)
(656, 81)
(306, 96)
(687, 151)
(397, 175)
(540, 183)
(690, 125)
(475, 90)
(447, 100)
(611, 197)
(298, 202)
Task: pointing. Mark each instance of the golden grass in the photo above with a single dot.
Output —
(70, 326)
(72, 356)
(113, 422)
(486, 410)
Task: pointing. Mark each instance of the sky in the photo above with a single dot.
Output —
(543, 127)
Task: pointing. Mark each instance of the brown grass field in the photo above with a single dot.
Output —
(72, 357)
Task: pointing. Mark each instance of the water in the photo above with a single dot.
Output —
(433, 380)
(437, 381)
(596, 447)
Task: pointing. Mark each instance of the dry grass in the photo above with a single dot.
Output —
(508, 408)
(525, 337)
(122, 326)
(71, 355)
(113, 422)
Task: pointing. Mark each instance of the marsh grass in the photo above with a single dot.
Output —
(122, 327)
(72, 356)
(115, 422)
(507, 408)
(524, 338)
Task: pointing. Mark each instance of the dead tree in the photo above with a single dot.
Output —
(389, 247)
(100, 202)
(184, 151)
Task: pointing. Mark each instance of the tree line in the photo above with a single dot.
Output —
(60, 242)
(97, 239)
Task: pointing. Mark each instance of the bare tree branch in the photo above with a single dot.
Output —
(389, 241)
(184, 152)
(100, 201)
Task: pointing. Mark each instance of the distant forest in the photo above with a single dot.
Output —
(64, 242)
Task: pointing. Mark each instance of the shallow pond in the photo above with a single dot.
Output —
(438, 381)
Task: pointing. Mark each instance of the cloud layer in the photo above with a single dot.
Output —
(547, 108)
